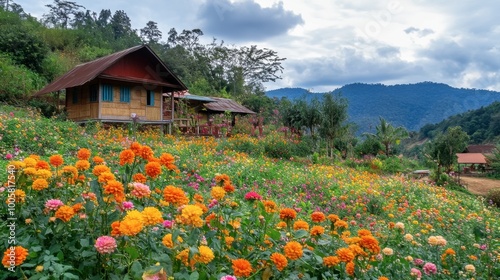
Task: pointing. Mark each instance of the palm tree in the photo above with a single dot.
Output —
(388, 135)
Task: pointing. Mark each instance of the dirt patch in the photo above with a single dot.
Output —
(479, 186)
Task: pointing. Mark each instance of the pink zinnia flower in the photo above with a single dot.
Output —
(416, 273)
(140, 190)
(127, 205)
(8, 156)
(228, 277)
(253, 196)
(418, 262)
(105, 244)
(53, 204)
(430, 268)
(168, 223)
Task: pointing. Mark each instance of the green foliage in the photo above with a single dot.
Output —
(333, 115)
(388, 135)
(16, 81)
(494, 160)
(493, 197)
(275, 146)
(444, 148)
(369, 146)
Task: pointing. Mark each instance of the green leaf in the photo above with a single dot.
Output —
(86, 254)
(136, 269)
(132, 252)
(194, 276)
(68, 275)
(84, 242)
(301, 233)
(274, 234)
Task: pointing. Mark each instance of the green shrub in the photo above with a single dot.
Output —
(493, 197)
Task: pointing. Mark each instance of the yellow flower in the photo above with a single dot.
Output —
(168, 242)
(65, 213)
(218, 193)
(345, 254)
(300, 225)
(130, 227)
(151, 216)
(191, 215)
(331, 261)
(40, 184)
(205, 255)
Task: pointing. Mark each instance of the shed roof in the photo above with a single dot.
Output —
(484, 149)
(224, 104)
(86, 72)
(471, 158)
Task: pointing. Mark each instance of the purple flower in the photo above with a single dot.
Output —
(127, 205)
(168, 224)
(228, 277)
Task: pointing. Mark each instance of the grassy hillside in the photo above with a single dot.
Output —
(200, 208)
(411, 106)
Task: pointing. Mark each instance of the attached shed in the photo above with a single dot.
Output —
(126, 86)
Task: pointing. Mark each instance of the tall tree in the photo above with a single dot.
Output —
(151, 34)
(120, 23)
(60, 13)
(388, 135)
(444, 148)
(494, 159)
(334, 114)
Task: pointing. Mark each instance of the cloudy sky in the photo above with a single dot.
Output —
(328, 44)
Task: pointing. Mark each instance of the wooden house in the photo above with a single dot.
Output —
(127, 86)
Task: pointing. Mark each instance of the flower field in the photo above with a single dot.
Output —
(110, 206)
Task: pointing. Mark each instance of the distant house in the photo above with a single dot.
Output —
(475, 158)
(122, 87)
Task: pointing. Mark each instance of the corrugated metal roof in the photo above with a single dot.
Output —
(196, 97)
(224, 104)
(86, 72)
(483, 149)
(471, 158)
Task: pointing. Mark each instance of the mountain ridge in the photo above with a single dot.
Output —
(408, 105)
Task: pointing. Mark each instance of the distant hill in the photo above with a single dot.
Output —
(411, 105)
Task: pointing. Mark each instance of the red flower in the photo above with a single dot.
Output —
(253, 196)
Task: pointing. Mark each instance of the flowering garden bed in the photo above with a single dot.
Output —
(188, 209)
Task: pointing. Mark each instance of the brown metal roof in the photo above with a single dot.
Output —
(86, 72)
(224, 104)
(471, 158)
(483, 149)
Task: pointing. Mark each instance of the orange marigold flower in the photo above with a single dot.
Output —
(228, 187)
(115, 228)
(130, 227)
(363, 232)
(293, 250)
(70, 171)
(349, 268)
(56, 160)
(139, 177)
(14, 256)
(99, 169)
(153, 169)
(333, 218)
(183, 256)
(331, 261)
(40, 184)
(281, 225)
(300, 225)
(222, 178)
(65, 213)
(41, 164)
(279, 261)
(77, 207)
(20, 195)
(345, 254)
(127, 157)
(167, 159)
(136, 148)
(217, 193)
(369, 243)
(113, 187)
(98, 160)
(83, 154)
(241, 268)
(146, 152)
(168, 242)
(198, 197)
(82, 165)
(357, 251)
(175, 195)
(43, 174)
(317, 230)
(270, 206)
(383, 278)
(152, 216)
(341, 224)
(287, 214)
(191, 215)
(106, 177)
(318, 217)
